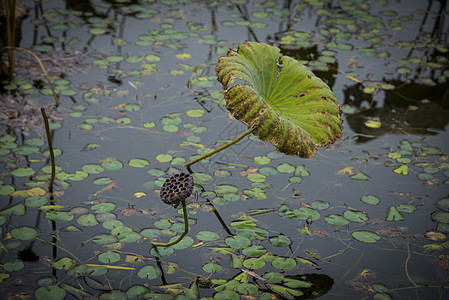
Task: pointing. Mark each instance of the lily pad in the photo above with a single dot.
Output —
(284, 263)
(284, 102)
(109, 257)
(148, 272)
(87, 220)
(24, 233)
(365, 236)
(336, 220)
(50, 292)
(355, 216)
(370, 199)
(207, 236)
(394, 214)
(138, 163)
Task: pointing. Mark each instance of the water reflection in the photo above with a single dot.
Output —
(411, 108)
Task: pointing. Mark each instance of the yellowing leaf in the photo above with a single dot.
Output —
(139, 194)
(394, 155)
(183, 56)
(120, 106)
(346, 171)
(204, 78)
(435, 236)
(373, 123)
(133, 259)
(37, 191)
(401, 170)
(53, 207)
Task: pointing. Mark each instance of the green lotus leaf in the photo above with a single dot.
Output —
(281, 100)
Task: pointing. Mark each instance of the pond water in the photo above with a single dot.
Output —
(366, 217)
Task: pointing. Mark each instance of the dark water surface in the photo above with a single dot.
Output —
(136, 80)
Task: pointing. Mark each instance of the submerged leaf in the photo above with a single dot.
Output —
(284, 102)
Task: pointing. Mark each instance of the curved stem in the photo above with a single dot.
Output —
(42, 68)
(219, 148)
(186, 228)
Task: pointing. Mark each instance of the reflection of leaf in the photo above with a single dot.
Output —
(284, 103)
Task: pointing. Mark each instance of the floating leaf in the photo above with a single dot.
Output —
(255, 233)
(212, 268)
(36, 201)
(284, 263)
(355, 216)
(24, 233)
(148, 272)
(16, 210)
(283, 102)
(370, 199)
(238, 242)
(65, 263)
(104, 239)
(256, 177)
(365, 236)
(164, 158)
(185, 243)
(336, 220)
(109, 257)
(112, 164)
(285, 168)
(87, 220)
(23, 172)
(103, 207)
(394, 214)
(138, 162)
(5, 190)
(12, 266)
(280, 241)
(360, 176)
(102, 181)
(50, 292)
(320, 204)
(59, 216)
(406, 208)
(207, 236)
(254, 263)
(285, 292)
(401, 170)
(137, 292)
(305, 213)
(262, 160)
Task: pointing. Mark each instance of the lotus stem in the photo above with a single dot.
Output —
(50, 149)
(42, 67)
(186, 228)
(219, 148)
(10, 10)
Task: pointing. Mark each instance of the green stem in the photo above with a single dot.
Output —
(219, 148)
(186, 228)
(50, 149)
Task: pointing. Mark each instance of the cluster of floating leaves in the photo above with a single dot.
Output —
(250, 249)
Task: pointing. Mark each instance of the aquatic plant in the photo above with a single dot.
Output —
(280, 100)
(174, 191)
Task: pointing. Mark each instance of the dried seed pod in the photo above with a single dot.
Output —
(177, 188)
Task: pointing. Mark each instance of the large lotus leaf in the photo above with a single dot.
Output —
(280, 99)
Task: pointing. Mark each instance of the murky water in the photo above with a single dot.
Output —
(136, 80)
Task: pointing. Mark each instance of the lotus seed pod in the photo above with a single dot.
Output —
(176, 188)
